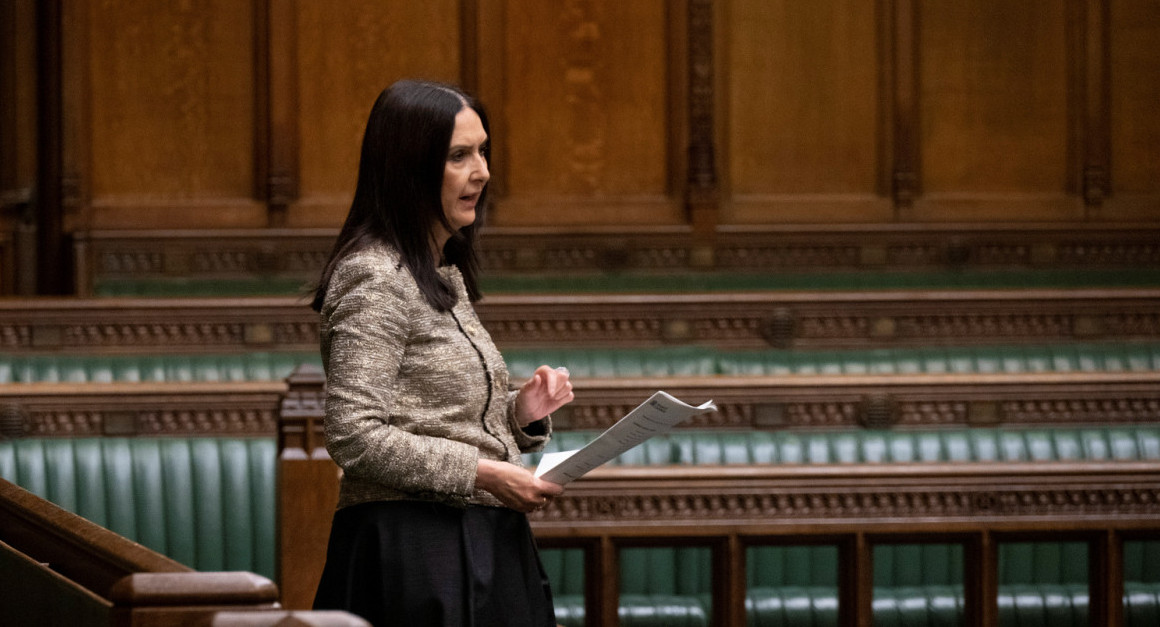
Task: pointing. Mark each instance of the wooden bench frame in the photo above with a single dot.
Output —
(729, 508)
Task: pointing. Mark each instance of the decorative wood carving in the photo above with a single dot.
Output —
(749, 320)
(301, 253)
(841, 498)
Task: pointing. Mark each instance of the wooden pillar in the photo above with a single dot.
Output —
(982, 580)
(703, 193)
(307, 488)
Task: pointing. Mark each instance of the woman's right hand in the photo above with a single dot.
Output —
(515, 487)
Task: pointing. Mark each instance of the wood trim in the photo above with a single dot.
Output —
(907, 183)
(282, 182)
(703, 190)
(1096, 93)
(1106, 579)
(727, 320)
(127, 254)
(76, 118)
(56, 191)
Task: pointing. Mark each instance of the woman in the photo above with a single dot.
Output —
(431, 526)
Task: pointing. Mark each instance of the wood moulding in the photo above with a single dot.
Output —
(836, 319)
(763, 403)
(300, 253)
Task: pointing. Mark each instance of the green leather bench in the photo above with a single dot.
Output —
(1126, 442)
(626, 282)
(699, 361)
(613, 363)
(184, 368)
(208, 503)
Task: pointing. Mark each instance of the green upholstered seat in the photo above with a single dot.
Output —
(206, 502)
(184, 287)
(183, 368)
(688, 361)
(686, 447)
(701, 361)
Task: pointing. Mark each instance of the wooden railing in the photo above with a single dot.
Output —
(59, 569)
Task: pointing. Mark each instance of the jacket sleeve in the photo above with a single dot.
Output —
(533, 437)
(367, 311)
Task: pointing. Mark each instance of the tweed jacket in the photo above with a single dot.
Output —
(415, 396)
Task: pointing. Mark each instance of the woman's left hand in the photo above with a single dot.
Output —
(546, 391)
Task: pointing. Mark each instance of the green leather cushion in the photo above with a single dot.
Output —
(689, 361)
(206, 502)
(702, 361)
(689, 447)
(249, 366)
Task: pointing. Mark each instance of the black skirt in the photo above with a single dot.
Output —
(416, 563)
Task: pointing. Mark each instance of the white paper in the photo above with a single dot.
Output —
(653, 417)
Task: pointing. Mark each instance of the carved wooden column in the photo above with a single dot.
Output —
(703, 193)
(1096, 104)
(907, 120)
(276, 107)
(307, 488)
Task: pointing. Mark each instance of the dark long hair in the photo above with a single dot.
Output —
(398, 197)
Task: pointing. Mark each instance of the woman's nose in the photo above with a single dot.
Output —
(480, 172)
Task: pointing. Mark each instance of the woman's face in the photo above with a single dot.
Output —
(465, 171)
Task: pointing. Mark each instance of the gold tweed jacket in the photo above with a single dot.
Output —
(415, 396)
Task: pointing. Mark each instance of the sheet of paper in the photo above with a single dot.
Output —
(653, 417)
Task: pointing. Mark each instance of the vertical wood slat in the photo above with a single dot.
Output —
(906, 184)
(54, 194)
(1106, 579)
(703, 193)
(281, 114)
(729, 581)
(884, 17)
(981, 580)
(603, 585)
(856, 581)
(1096, 105)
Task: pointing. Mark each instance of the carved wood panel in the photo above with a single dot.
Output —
(582, 124)
(347, 53)
(804, 113)
(160, 114)
(1134, 60)
(995, 128)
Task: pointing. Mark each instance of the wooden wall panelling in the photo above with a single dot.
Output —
(161, 125)
(18, 153)
(994, 112)
(804, 121)
(1134, 60)
(581, 99)
(347, 53)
